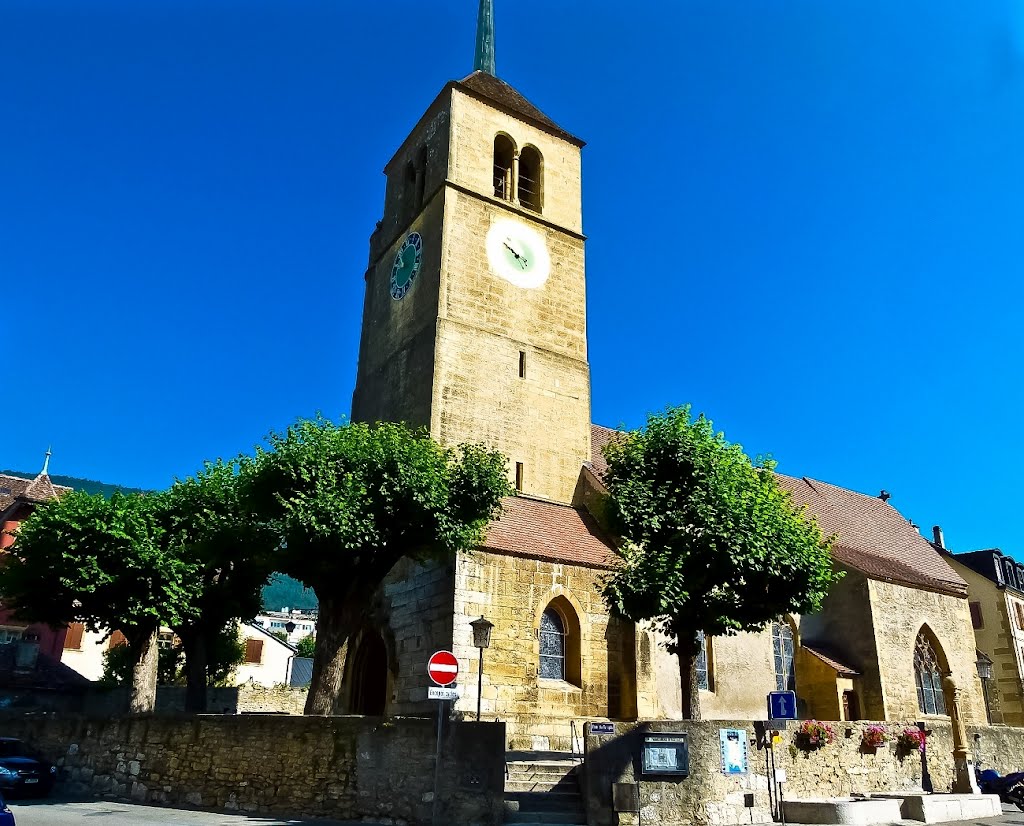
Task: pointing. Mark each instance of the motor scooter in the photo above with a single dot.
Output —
(1009, 788)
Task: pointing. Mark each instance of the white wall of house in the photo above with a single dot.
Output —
(83, 651)
(267, 659)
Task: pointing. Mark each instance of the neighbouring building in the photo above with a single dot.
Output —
(474, 327)
(295, 623)
(18, 499)
(995, 584)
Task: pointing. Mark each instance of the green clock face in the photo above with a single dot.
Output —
(406, 266)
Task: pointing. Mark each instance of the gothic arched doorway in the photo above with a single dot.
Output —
(369, 676)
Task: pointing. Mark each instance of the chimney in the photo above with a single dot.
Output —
(939, 542)
(885, 496)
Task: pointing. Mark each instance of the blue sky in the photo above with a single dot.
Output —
(803, 217)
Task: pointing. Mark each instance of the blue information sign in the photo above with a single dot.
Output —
(782, 705)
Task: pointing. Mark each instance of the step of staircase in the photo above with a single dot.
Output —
(544, 790)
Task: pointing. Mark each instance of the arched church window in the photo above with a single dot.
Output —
(782, 645)
(552, 646)
(531, 170)
(504, 152)
(704, 662)
(928, 677)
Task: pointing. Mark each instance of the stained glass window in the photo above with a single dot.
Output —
(782, 643)
(928, 677)
(703, 680)
(552, 646)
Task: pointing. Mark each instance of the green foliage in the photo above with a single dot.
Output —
(348, 501)
(226, 652)
(285, 592)
(306, 646)
(711, 542)
(104, 562)
(117, 666)
(281, 635)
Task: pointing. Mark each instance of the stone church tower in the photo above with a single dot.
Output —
(474, 319)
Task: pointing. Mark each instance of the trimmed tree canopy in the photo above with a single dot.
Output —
(712, 544)
(349, 501)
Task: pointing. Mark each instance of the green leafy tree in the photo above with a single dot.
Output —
(350, 501)
(230, 550)
(106, 563)
(225, 654)
(117, 665)
(306, 646)
(281, 635)
(711, 543)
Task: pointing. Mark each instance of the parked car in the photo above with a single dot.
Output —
(22, 771)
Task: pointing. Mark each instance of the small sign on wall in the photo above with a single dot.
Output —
(733, 742)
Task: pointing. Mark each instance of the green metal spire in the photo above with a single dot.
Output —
(484, 60)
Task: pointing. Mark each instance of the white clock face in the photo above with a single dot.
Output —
(518, 254)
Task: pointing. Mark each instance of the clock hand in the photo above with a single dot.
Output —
(509, 248)
(522, 261)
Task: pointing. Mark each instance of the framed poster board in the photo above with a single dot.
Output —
(665, 753)
(733, 742)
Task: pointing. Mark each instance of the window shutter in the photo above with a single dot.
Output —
(73, 638)
(116, 639)
(254, 651)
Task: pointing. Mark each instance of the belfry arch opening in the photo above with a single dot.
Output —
(504, 157)
(531, 179)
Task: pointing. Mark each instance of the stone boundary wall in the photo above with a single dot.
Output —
(339, 767)
(244, 699)
(843, 768)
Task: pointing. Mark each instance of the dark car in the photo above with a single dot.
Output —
(22, 771)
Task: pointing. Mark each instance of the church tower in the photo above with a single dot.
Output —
(474, 318)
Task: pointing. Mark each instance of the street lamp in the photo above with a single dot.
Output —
(481, 639)
(984, 666)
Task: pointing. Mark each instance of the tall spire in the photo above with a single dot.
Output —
(484, 59)
(46, 463)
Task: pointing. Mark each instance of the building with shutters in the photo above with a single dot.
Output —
(995, 584)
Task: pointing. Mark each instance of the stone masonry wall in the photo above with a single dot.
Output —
(230, 700)
(843, 768)
(513, 592)
(338, 767)
(416, 611)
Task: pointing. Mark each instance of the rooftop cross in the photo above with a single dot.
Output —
(484, 59)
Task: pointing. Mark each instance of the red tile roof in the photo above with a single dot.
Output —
(544, 530)
(873, 537)
(40, 489)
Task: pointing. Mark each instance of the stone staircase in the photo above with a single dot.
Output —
(543, 788)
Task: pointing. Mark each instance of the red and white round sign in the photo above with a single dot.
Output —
(443, 668)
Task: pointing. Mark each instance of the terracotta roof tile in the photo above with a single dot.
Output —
(16, 489)
(544, 530)
(498, 91)
(873, 537)
(829, 659)
(11, 488)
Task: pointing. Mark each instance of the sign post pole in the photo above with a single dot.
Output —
(443, 669)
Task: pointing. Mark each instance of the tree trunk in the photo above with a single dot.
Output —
(687, 650)
(143, 649)
(196, 669)
(337, 619)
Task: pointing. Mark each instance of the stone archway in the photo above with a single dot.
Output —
(369, 676)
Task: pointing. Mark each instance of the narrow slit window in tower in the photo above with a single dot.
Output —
(519, 476)
(522, 364)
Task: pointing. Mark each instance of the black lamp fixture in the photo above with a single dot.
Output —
(481, 639)
(984, 666)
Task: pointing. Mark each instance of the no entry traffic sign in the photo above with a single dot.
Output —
(443, 668)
